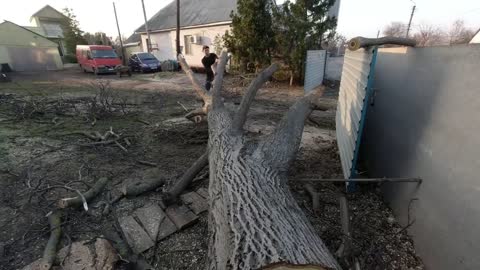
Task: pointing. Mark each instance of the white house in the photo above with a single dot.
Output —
(48, 23)
(476, 37)
(200, 22)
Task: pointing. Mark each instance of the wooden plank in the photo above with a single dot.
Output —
(203, 192)
(166, 228)
(137, 238)
(155, 222)
(195, 202)
(181, 216)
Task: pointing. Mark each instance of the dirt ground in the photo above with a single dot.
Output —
(42, 150)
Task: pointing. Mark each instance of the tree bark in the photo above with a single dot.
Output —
(254, 221)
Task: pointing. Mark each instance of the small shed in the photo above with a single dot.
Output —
(25, 50)
(132, 44)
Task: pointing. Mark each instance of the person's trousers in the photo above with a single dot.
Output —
(208, 85)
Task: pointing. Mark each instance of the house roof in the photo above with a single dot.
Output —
(135, 37)
(26, 29)
(35, 29)
(192, 12)
(48, 12)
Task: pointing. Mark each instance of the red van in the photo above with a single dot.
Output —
(97, 58)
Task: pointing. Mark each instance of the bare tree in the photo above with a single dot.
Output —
(254, 221)
(335, 45)
(395, 29)
(429, 35)
(459, 33)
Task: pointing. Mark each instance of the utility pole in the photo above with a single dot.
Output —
(149, 42)
(411, 17)
(178, 28)
(119, 34)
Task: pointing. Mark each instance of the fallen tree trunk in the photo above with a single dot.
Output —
(254, 221)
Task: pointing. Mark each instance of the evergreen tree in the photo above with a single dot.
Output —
(251, 39)
(73, 36)
(301, 26)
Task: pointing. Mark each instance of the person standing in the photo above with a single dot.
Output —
(209, 62)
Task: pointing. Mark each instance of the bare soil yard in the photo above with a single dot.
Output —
(43, 148)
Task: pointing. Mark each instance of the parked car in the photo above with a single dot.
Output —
(144, 62)
(97, 58)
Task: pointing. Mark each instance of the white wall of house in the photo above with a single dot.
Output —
(476, 38)
(208, 34)
(162, 41)
(166, 43)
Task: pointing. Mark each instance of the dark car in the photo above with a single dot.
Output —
(144, 62)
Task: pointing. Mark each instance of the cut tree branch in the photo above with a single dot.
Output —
(173, 192)
(361, 42)
(288, 132)
(314, 195)
(197, 86)
(197, 112)
(88, 196)
(346, 245)
(141, 187)
(218, 82)
(249, 96)
(50, 251)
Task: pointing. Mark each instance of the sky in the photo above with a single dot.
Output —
(356, 18)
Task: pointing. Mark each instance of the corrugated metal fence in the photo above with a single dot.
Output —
(314, 69)
(355, 90)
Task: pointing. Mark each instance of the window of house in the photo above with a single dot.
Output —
(53, 30)
(188, 44)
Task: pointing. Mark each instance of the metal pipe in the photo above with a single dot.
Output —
(178, 28)
(371, 180)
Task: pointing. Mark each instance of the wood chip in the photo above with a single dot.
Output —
(181, 216)
(197, 203)
(137, 238)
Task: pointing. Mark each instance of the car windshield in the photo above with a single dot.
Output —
(104, 54)
(146, 56)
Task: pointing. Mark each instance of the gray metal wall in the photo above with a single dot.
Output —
(333, 69)
(314, 69)
(425, 122)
